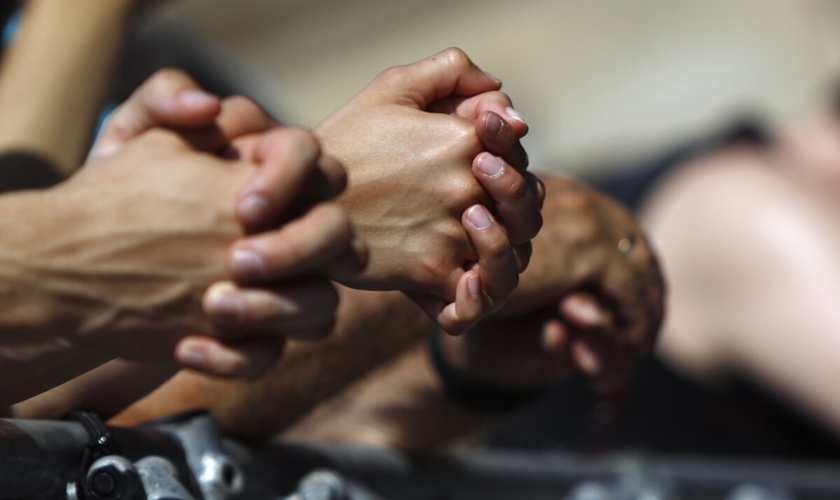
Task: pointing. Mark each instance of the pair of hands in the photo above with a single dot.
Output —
(163, 227)
(455, 257)
(584, 304)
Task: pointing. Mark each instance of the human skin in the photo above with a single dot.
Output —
(501, 139)
(441, 259)
(114, 262)
(413, 180)
(521, 351)
(61, 60)
(749, 239)
(566, 316)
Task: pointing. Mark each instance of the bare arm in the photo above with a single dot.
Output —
(371, 327)
(54, 78)
(401, 405)
(404, 405)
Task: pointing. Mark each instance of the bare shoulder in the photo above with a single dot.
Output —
(722, 225)
(731, 202)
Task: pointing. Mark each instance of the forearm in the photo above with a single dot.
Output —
(55, 77)
(371, 327)
(38, 345)
(401, 405)
(107, 390)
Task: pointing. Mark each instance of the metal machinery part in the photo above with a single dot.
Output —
(184, 458)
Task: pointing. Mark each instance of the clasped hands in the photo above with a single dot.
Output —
(438, 205)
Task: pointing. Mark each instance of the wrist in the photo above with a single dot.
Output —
(476, 393)
(29, 300)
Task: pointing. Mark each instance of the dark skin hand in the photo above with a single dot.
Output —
(592, 299)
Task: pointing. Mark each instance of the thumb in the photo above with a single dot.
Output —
(170, 98)
(450, 72)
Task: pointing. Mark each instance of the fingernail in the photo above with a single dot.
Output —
(474, 286)
(197, 98)
(589, 362)
(225, 306)
(252, 207)
(490, 166)
(495, 124)
(493, 77)
(247, 264)
(479, 217)
(192, 356)
(513, 114)
(588, 313)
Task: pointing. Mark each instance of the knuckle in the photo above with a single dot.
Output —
(523, 256)
(304, 140)
(336, 172)
(245, 104)
(394, 76)
(497, 248)
(456, 58)
(245, 109)
(164, 139)
(463, 130)
(516, 188)
(434, 269)
(336, 219)
(167, 79)
(498, 97)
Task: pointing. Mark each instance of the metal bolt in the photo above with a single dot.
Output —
(322, 485)
(111, 477)
(103, 483)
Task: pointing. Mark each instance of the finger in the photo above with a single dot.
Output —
(583, 311)
(445, 73)
(607, 361)
(556, 343)
(472, 107)
(246, 359)
(319, 242)
(469, 307)
(496, 261)
(170, 98)
(500, 139)
(235, 132)
(302, 310)
(289, 161)
(623, 288)
(586, 358)
(515, 202)
(499, 127)
(537, 186)
(522, 254)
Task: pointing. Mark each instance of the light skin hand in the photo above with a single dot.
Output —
(157, 220)
(411, 178)
(504, 184)
(248, 319)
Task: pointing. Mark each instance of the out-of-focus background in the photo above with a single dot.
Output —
(603, 82)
